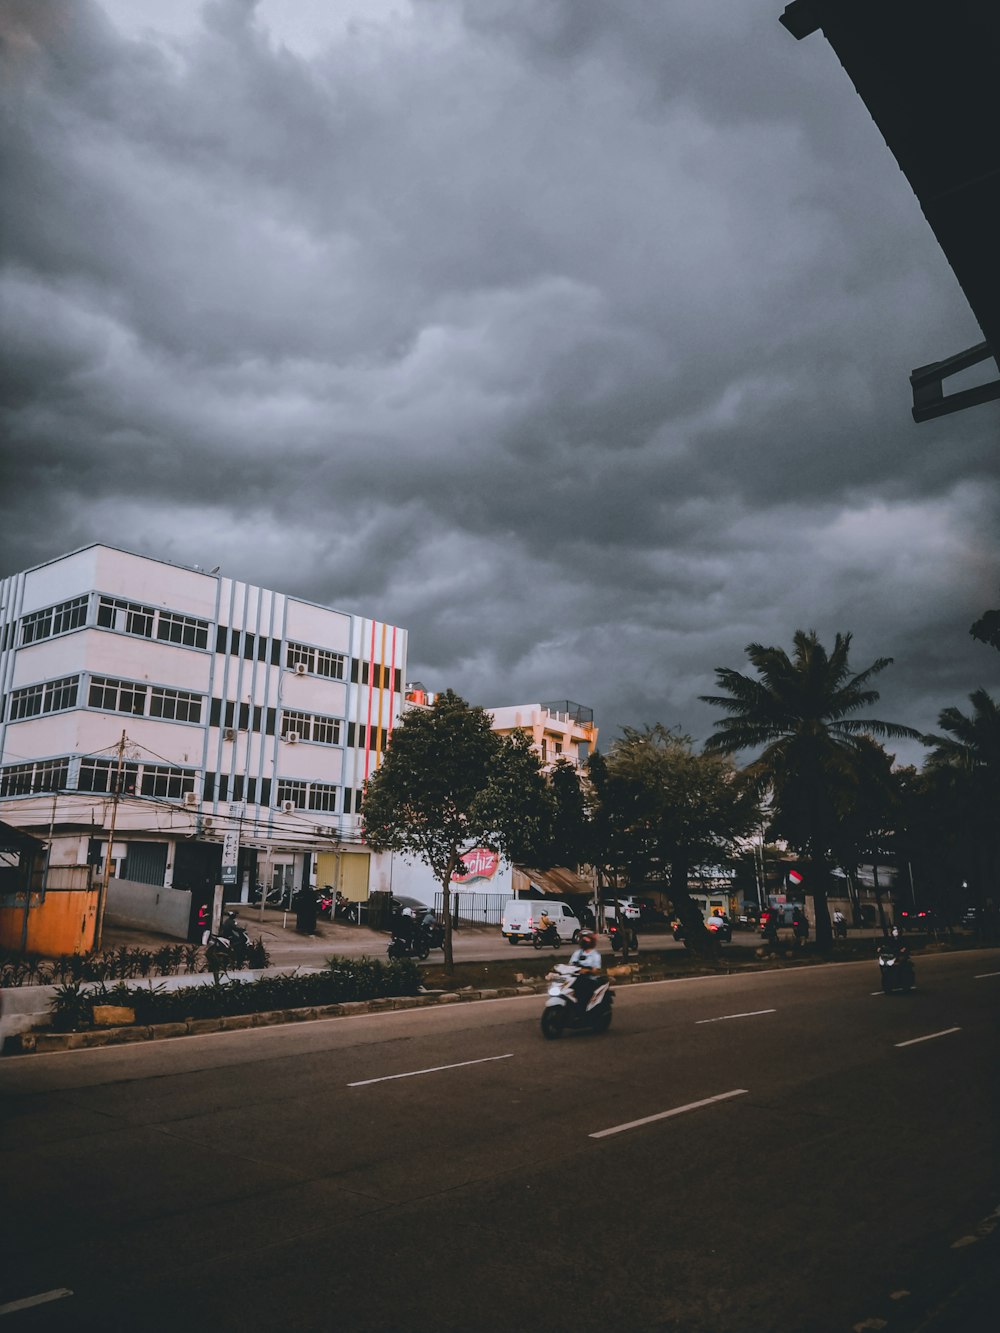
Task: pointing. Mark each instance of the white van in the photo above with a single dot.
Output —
(521, 916)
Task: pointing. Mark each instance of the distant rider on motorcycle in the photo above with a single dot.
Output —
(587, 960)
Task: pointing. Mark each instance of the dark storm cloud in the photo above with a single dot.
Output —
(573, 337)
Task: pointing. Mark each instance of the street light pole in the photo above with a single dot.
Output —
(106, 877)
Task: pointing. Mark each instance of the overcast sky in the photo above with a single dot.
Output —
(572, 336)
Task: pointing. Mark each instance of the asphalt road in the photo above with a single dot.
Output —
(782, 1150)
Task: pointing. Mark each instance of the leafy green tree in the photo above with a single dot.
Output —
(449, 783)
(669, 810)
(871, 811)
(966, 765)
(800, 713)
(568, 845)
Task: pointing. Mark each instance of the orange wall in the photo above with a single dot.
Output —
(63, 923)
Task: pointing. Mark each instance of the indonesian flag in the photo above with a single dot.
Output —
(794, 877)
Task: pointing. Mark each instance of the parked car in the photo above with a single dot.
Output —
(630, 905)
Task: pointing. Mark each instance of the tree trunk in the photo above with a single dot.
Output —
(821, 877)
(696, 936)
(449, 960)
(878, 898)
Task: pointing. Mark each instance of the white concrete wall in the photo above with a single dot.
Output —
(148, 907)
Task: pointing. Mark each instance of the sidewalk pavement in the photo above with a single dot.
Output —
(287, 948)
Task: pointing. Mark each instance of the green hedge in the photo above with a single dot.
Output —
(344, 979)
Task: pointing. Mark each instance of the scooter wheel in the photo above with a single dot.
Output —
(537, 941)
(423, 952)
(602, 1022)
(553, 1022)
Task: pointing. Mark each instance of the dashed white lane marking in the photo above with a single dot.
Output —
(664, 1115)
(930, 1037)
(57, 1294)
(983, 975)
(724, 1018)
(435, 1069)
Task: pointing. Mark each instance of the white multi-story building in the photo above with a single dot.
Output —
(560, 729)
(215, 707)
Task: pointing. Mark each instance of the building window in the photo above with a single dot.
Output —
(52, 696)
(317, 661)
(292, 791)
(127, 617)
(117, 696)
(177, 705)
(175, 628)
(322, 796)
(158, 780)
(309, 727)
(53, 620)
(23, 779)
(148, 623)
(140, 700)
(99, 775)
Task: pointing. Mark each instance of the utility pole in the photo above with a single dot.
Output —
(103, 896)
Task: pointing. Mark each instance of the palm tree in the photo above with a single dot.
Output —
(970, 757)
(801, 709)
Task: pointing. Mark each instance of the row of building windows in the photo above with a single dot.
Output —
(138, 699)
(151, 622)
(102, 775)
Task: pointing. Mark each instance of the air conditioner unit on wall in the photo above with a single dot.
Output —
(207, 821)
(288, 806)
(229, 734)
(300, 668)
(292, 737)
(191, 799)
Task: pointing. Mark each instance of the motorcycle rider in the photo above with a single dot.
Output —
(840, 924)
(546, 927)
(587, 960)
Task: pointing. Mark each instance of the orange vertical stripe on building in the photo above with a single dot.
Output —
(392, 685)
(368, 728)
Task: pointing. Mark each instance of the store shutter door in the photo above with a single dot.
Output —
(146, 862)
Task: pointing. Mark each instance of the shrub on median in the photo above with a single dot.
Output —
(343, 980)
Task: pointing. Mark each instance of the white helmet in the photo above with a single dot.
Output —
(407, 911)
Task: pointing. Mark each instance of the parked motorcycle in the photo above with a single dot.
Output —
(549, 936)
(563, 1010)
(895, 968)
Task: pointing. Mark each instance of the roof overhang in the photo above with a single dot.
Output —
(927, 72)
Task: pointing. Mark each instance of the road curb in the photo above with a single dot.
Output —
(47, 1043)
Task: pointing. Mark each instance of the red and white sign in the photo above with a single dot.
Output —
(480, 863)
(794, 877)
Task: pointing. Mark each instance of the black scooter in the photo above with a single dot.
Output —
(616, 934)
(416, 946)
(895, 968)
(230, 947)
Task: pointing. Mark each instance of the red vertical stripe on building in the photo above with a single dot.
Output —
(368, 728)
